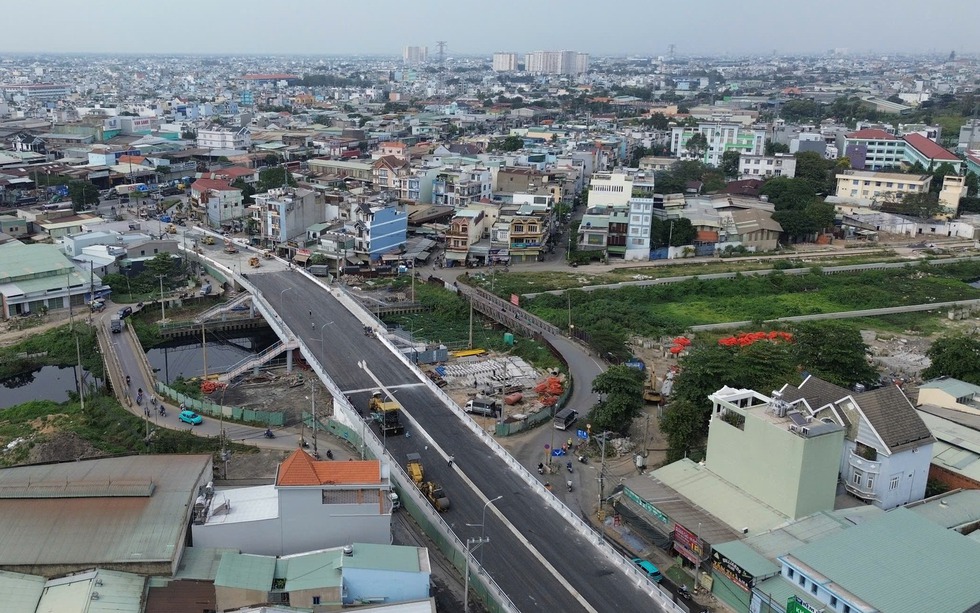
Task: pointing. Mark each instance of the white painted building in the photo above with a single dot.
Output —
(610, 188)
(313, 505)
(766, 166)
(504, 62)
(721, 137)
(224, 138)
(887, 448)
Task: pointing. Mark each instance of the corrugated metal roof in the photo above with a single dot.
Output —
(730, 505)
(309, 571)
(384, 557)
(78, 489)
(747, 558)
(777, 542)
(880, 560)
(99, 591)
(950, 510)
(100, 529)
(20, 593)
(246, 571)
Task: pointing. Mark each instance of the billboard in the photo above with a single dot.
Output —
(732, 571)
(688, 544)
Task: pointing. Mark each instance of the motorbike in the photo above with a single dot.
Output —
(683, 592)
(269, 434)
(569, 484)
(329, 454)
(568, 465)
(583, 459)
(540, 468)
(128, 380)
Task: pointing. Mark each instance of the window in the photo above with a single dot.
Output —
(790, 572)
(857, 477)
(833, 601)
(847, 609)
(316, 600)
(871, 482)
(802, 580)
(893, 483)
(813, 588)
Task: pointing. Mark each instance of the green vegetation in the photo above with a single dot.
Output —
(56, 347)
(104, 424)
(447, 321)
(623, 390)
(955, 356)
(830, 350)
(660, 310)
(521, 283)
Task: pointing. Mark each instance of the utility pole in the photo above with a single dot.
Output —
(466, 588)
(81, 378)
(471, 322)
(313, 411)
(602, 472)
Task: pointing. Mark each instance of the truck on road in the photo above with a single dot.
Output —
(116, 324)
(386, 414)
(415, 470)
(436, 496)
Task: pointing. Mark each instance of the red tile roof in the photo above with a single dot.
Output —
(929, 148)
(203, 185)
(234, 172)
(301, 469)
(871, 134)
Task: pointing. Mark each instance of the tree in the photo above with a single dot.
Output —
(772, 147)
(789, 193)
(271, 159)
(972, 183)
(729, 163)
(623, 390)
(923, 205)
(939, 175)
(273, 177)
(954, 356)
(82, 193)
(833, 351)
(247, 190)
(697, 145)
(511, 143)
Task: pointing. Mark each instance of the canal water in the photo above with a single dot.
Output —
(44, 383)
(185, 357)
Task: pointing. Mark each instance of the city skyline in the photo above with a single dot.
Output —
(637, 28)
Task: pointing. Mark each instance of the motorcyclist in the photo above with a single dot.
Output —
(128, 380)
(540, 468)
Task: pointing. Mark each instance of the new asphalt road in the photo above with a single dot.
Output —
(545, 565)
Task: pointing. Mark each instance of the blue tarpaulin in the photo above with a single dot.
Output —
(557, 452)
(582, 434)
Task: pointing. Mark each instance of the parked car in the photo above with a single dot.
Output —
(190, 417)
(651, 571)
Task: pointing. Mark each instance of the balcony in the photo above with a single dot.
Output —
(868, 467)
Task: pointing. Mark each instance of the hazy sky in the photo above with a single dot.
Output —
(471, 26)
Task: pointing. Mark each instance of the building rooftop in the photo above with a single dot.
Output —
(882, 176)
(784, 539)
(307, 571)
(706, 492)
(370, 556)
(301, 469)
(959, 509)
(128, 510)
(871, 134)
(953, 387)
(930, 149)
(20, 593)
(898, 546)
(245, 504)
(246, 571)
(18, 260)
(957, 447)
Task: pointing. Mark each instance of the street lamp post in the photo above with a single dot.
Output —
(483, 522)
(281, 303)
(321, 337)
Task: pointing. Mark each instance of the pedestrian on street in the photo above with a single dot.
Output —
(451, 458)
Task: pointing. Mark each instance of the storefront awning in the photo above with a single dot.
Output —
(456, 255)
(301, 258)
